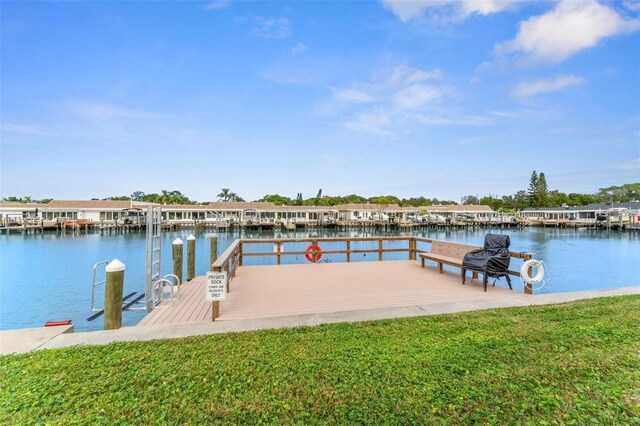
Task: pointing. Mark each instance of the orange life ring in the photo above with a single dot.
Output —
(318, 253)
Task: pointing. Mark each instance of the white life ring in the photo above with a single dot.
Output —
(529, 265)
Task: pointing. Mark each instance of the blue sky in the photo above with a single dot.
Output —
(434, 98)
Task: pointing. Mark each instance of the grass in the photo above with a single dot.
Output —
(575, 363)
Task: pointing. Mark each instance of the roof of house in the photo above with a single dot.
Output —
(632, 205)
(17, 204)
(357, 206)
(95, 204)
(458, 208)
(235, 205)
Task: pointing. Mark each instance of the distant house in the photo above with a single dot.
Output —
(587, 213)
(109, 211)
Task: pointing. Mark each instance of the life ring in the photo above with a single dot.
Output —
(529, 265)
(318, 253)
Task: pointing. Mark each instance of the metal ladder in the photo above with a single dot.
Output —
(127, 305)
(153, 256)
(95, 283)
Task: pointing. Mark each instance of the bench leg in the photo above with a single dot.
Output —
(440, 269)
(463, 272)
(484, 281)
(474, 276)
(423, 262)
(508, 281)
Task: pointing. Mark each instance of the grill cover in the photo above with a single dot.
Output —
(493, 258)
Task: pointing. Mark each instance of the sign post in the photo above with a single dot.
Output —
(215, 291)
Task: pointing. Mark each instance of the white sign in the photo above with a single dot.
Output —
(216, 286)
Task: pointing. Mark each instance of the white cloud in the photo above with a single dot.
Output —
(104, 111)
(271, 28)
(573, 25)
(299, 48)
(352, 95)
(484, 7)
(407, 10)
(633, 5)
(407, 75)
(534, 87)
(23, 129)
(217, 5)
(398, 95)
(370, 122)
(630, 165)
(417, 96)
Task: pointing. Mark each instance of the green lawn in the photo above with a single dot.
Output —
(575, 363)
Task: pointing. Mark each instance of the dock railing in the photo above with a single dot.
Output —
(234, 255)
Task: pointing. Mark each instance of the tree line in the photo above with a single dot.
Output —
(536, 195)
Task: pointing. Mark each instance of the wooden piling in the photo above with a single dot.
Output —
(215, 305)
(191, 257)
(412, 249)
(177, 258)
(213, 253)
(279, 249)
(113, 293)
(528, 288)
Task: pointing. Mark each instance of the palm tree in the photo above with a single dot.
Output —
(225, 195)
(165, 197)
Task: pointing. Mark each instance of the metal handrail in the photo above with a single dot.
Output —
(233, 256)
(159, 285)
(177, 279)
(94, 284)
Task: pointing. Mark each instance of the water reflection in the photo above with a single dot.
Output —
(47, 276)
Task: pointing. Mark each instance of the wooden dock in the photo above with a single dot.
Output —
(283, 290)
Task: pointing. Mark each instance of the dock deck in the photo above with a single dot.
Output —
(281, 290)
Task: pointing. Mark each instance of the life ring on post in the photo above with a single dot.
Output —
(529, 265)
(313, 253)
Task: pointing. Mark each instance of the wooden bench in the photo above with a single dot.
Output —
(452, 254)
(445, 253)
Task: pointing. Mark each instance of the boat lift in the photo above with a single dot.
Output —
(157, 288)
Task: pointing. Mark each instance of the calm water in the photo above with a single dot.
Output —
(48, 276)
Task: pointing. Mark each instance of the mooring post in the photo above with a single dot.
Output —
(213, 254)
(215, 305)
(412, 249)
(177, 258)
(528, 288)
(191, 257)
(113, 290)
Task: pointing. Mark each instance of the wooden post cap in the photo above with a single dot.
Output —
(177, 241)
(115, 266)
(190, 238)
